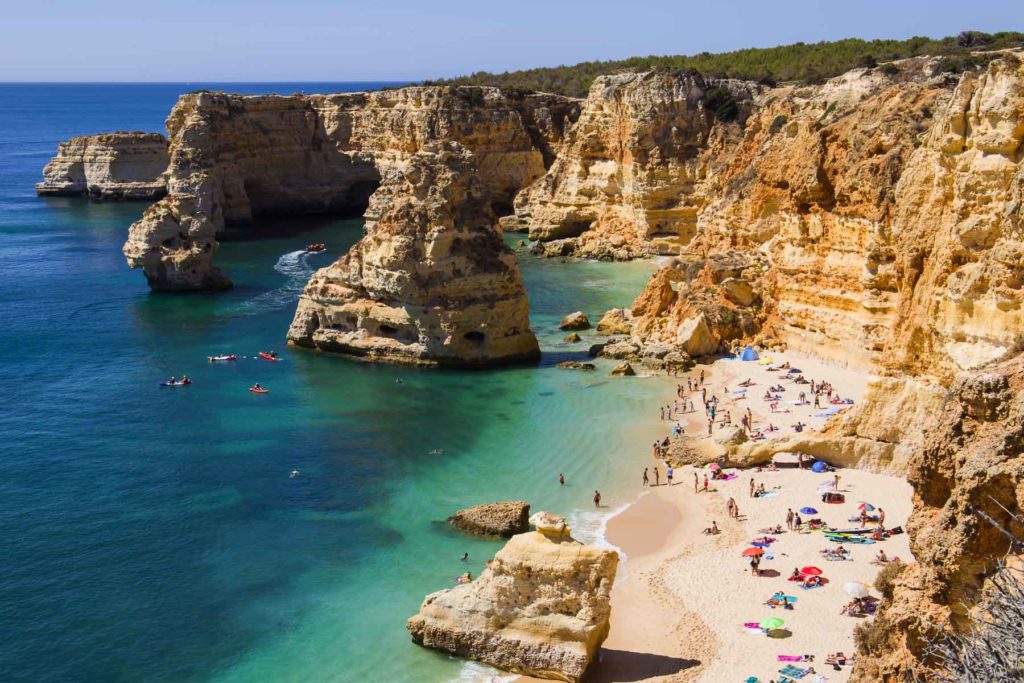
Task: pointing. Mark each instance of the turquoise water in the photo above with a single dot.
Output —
(155, 534)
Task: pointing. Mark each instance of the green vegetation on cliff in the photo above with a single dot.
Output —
(805, 62)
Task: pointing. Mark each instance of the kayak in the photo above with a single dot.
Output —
(214, 359)
(266, 356)
(259, 391)
(851, 531)
(175, 384)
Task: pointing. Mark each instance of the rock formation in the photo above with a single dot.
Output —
(493, 519)
(236, 158)
(541, 608)
(431, 283)
(625, 183)
(108, 166)
(575, 321)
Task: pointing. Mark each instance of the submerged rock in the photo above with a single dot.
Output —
(431, 282)
(573, 338)
(493, 519)
(541, 608)
(108, 166)
(575, 321)
(575, 365)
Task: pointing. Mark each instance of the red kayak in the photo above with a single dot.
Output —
(268, 356)
(259, 391)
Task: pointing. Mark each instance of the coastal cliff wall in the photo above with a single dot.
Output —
(234, 158)
(118, 165)
(877, 222)
(431, 283)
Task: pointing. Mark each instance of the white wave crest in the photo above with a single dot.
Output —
(295, 266)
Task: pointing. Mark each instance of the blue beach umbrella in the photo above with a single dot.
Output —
(808, 511)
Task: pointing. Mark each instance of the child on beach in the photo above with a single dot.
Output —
(668, 475)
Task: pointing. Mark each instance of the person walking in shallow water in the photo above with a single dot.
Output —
(561, 479)
(597, 498)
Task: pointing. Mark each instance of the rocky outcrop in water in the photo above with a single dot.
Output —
(541, 608)
(118, 165)
(237, 158)
(493, 519)
(431, 283)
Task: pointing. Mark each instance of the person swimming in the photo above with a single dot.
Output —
(465, 556)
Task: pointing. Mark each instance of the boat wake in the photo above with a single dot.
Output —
(296, 268)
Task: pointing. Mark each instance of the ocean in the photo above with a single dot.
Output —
(156, 534)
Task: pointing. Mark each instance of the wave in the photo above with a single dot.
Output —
(477, 672)
(296, 268)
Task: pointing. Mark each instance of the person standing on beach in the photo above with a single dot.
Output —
(646, 478)
(597, 498)
(789, 519)
(668, 475)
(702, 378)
(752, 487)
(797, 522)
(835, 482)
(657, 477)
(561, 479)
(696, 482)
(881, 518)
(705, 483)
(799, 456)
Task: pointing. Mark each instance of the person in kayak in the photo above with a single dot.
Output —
(185, 379)
(257, 387)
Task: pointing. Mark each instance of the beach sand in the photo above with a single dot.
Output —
(682, 597)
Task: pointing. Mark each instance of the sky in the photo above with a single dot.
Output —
(319, 40)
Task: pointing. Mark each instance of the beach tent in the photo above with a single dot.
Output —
(749, 354)
(819, 466)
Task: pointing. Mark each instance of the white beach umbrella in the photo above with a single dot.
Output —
(856, 590)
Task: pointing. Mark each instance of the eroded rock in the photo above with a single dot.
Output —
(493, 519)
(431, 282)
(541, 608)
(118, 165)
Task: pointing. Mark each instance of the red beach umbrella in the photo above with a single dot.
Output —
(753, 552)
(810, 571)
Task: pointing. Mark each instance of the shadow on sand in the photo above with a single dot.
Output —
(621, 665)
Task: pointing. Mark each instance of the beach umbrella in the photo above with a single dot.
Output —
(714, 466)
(818, 466)
(808, 511)
(810, 571)
(856, 590)
(771, 623)
(753, 552)
(866, 507)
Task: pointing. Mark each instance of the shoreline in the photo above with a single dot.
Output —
(679, 606)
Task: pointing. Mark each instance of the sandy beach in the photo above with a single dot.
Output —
(681, 602)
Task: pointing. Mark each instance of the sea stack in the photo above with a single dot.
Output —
(118, 165)
(431, 282)
(541, 608)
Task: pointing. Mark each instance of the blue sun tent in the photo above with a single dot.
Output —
(819, 466)
(749, 354)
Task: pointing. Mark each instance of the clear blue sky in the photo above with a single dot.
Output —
(305, 40)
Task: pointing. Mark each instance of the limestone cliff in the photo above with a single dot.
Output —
(108, 166)
(432, 282)
(626, 182)
(541, 608)
(235, 158)
(968, 480)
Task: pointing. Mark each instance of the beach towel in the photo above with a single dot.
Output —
(794, 671)
(731, 476)
(791, 658)
(768, 494)
(741, 391)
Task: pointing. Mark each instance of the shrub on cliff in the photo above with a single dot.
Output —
(886, 580)
(992, 649)
(722, 103)
(804, 62)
